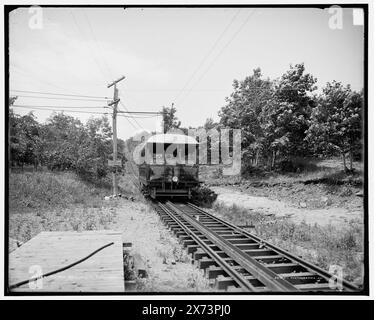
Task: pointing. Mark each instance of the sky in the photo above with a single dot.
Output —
(185, 56)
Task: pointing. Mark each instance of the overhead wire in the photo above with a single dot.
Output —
(97, 43)
(40, 108)
(219, 54)
(134, 117)
(58, 98)
(129, 97)
(131, 123)
(33, 77)
(208, 54)
(90, 49)
(138, 124)
(60, 94)
(67, 107)
(137, 117)
(128, 120)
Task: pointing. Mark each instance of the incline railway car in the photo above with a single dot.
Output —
(170, 169)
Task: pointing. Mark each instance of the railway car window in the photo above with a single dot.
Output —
(173, 147)
(158, 153)
(171, 152)
(190, 154)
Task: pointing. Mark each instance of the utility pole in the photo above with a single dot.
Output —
(115, 163)
(114, 103)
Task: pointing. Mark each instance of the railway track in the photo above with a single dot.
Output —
(236, 260)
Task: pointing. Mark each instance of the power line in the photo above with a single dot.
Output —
(134, 117)
(135, 101)
(96, 42)
(58, 98)
(131, 123)
(208, 54)
(66, 107)
(131, 117)
(219, 54)
(169, 90)
(138, 117)
(122, 104)
(34, 77)
(90, 49)
(61, 94)
(50, 109)
(142, 112)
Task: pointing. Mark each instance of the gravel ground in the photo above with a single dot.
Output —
(168, 266)
(333, 215)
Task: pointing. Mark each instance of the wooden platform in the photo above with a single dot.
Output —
(103, 272)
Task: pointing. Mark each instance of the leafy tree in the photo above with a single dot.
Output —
(93, 158)
(63, 143)
(284, 117)
(64, 137)
(335, 124)
(210, 124)
(24, 139)
(83, 148)
(292, 108)
(244, 111)
(169, 118)
(12, 100)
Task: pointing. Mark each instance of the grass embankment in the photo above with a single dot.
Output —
(321, 184)
(46, 201)
(321, 245)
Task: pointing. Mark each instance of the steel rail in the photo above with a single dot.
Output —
(244, 283)
(312, 267)
(269, 278)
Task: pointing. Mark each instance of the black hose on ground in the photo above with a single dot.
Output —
(21, 283)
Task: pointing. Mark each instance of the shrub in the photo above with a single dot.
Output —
(297, 165)
(203, 196)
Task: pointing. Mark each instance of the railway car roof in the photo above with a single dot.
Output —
(172, 138)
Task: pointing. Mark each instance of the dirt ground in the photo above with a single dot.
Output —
(168, 266)
(332, 215)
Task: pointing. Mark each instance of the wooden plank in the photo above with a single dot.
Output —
(313, 286)
(103, 272)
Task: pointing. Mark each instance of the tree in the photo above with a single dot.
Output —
(95, 152)
(69, 144)
(210, 124)
(244, 111)
(273, 115)
(63, 143)
(335, 124)
(12, 100)
(24, 139)
(64, 138)
(293, 106)
(169, 118)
